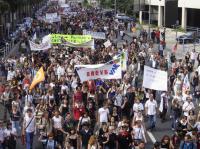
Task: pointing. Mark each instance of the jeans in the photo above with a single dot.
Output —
(152, 121)
(15, 124)
(175, 119)
(2, 146)
(29, 140)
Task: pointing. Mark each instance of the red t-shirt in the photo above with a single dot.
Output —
(78, 96)
(91, 86)
(78, 112)
(2, 89)
(26, 81)
(157, 34)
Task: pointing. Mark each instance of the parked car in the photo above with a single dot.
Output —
(186, 38)
(2, 43)
(109, 13)
(123, 17)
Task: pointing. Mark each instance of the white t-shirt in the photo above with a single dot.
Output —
(193, 55)
(103, 115)
(57, 121)
(64, 88)
(10, 75)
(29, 127)
(187, 107)
(138, 132)
(151, 107)
(83, 120)
(2, 134)
(138, 107)
(8, 132)
(197, 125)
(60, 71)
(28, 99)
(118, 100)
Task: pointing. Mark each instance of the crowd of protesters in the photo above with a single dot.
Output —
(98, 114)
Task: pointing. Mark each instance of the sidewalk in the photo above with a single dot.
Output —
(170, 38)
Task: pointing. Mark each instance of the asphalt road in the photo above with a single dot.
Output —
(156, 135)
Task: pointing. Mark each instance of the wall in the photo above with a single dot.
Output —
(181, 3)
(189, 4)
(155, 2)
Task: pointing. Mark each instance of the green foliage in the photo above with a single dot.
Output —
(86, 4)
(4, 6)
(125, 6)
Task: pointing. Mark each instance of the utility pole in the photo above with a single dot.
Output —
(149, 19)
(115, 7)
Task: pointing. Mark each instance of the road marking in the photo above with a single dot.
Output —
(153, 139)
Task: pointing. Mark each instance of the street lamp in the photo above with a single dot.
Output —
(149, 18)
(115, 7)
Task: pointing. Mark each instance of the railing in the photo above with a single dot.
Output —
(6, 49)
(193, 29)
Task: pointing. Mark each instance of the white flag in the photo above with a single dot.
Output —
(34, 37)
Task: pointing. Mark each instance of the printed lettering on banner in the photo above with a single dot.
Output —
(110, 70)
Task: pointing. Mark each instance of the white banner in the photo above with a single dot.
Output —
(96, 35)
(110, 70)
(89, 44)
(52, 17)
(68, 13)
(46, 44)
(154, 79)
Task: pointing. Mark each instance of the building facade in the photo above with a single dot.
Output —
(171, 12)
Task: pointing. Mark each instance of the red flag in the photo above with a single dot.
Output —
(175, 48)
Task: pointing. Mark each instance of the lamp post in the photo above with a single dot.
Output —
(149, 18)
(115, 7)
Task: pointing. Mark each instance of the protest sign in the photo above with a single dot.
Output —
(95, 35)
(52, 17)
(154, 79)
(107, 44)
(110, 70)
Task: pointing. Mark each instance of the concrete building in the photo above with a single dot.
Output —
(167, 12)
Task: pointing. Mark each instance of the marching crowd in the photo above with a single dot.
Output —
(98, 114)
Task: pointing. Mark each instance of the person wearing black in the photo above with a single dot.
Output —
(85, 134)
(172, 77)
(124, 138)
(153, 35)
(10, 137)
(112, 138)
(182, 125)
(57, 90)
(198, 59)
(195, 80)
(15, 118)
(69, 123)
(131, 96)
(126, 108)
(176, 112)
(103, 136)
(172, 58)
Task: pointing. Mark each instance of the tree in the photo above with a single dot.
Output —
(122, 5)
(4, 6)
